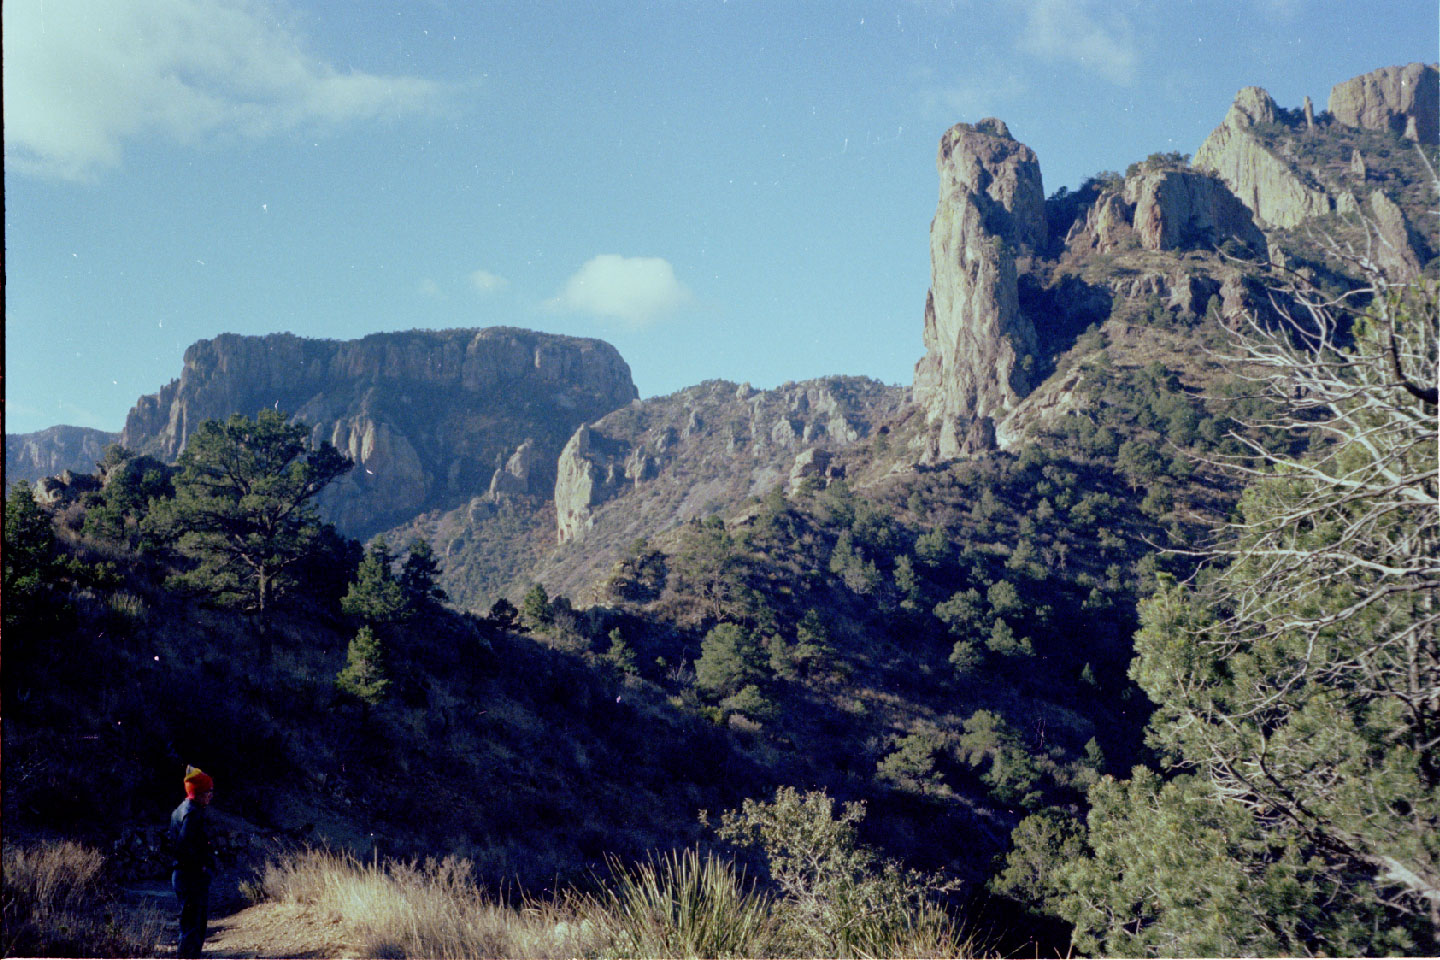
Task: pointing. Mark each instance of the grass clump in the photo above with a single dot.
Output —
(56, 902)
(681, 905)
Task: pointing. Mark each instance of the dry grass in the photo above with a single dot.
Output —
(679, 905)
(56, 903)
(429, 909)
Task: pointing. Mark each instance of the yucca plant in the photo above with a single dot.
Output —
(681, 905)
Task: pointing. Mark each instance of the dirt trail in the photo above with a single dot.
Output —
(238, 929)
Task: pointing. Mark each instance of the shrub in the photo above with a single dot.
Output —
(56, 904)
(837, 898)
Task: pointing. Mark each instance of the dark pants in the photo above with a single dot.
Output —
(192, 888)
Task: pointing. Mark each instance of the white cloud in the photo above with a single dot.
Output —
(83, 78)
(430, 289)
(982, 89)
(486, 282)
(1069, 30)
(637, 290)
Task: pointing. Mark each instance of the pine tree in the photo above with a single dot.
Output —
(244, 506)
(364, 676)
(376, 596)
(419, 576)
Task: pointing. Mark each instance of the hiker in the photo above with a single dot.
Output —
(194, 861)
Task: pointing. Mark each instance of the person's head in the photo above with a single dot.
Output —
(199, 786)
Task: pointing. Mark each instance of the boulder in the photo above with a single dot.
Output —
(1403, 100)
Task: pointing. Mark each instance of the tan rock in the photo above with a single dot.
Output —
(1404, 100)
(1395, 249)
(1262, 181)
(1179, 209)
(991, 205)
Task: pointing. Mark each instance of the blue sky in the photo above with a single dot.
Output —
(736, 190)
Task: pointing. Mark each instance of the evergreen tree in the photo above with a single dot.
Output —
(364, 676)
(419, 577)
(1297, 685)
(730, 658)
(535, 607)
(244, 506)
(376, 596)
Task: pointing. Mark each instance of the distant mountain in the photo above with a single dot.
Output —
(32, 456)
(428, 416)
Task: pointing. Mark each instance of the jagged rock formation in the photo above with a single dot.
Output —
(715, 443)
(1404, 100)
(1395, 251)
(32, 456)
(1182, 209)
(427, 416)
(528, 473)
(1263, 181)
(991, 206)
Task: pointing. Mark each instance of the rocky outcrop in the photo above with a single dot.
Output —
(1403, 100)
(528, 473)
(32, 456)
(1265, 183)
(1183, 209)
(1107, 224)
(428, 416)
(710, 444)
(1399, 250)
(991, 206)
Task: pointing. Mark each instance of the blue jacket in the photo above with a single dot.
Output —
(189, 840)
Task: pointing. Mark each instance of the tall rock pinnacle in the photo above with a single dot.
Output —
(991, 208)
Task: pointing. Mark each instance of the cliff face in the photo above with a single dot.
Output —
(710, 444)
(430, 418)
(991, 207)
(32, 456)
(1262, 180)
(1404, 100)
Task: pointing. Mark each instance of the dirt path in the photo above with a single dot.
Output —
(238, 929)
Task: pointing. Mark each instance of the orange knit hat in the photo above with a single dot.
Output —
(197, 781)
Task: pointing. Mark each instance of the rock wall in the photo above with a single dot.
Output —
(1263, 182)
(991, 207)
(1182, 209)
(1404, 100)
(428, 416)
(673, 458)
(32, 456)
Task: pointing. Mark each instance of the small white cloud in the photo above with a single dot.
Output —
(486, 282)
(430, 289)
(1070, 30)
(983, 89)
(636, 290)
(83, 78)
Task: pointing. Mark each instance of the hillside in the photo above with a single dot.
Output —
(923, 598)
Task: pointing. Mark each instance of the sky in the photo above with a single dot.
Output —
(737, 190)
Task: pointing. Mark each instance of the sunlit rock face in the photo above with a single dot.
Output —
(1404, 100)
(428, 416)
(1180, 209)
(1265, 183)
(991, 209)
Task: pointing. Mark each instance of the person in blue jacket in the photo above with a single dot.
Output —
(194, 861)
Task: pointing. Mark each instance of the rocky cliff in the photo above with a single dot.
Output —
(1262, 179)
(431, 418)
(1403, 100)
(32, 456)
(991, 208)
